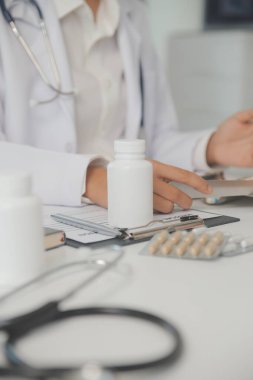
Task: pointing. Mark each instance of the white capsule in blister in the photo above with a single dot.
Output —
(162, 236)
(245, 243)
(213, 243)
(181, 249)
(235, 238)
(218, 237)
(167, 247)
(210, 249)
(190, 237)
(195, 249)
(154, 247)
(229, 247)
(176, 236)
(203, 238)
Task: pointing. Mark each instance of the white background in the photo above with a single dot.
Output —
(169, 16)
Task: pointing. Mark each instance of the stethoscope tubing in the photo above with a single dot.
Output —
(163, 360)
(57, 87)
(7, 15)
(19, 327)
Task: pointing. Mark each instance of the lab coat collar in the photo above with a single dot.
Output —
(63, 7)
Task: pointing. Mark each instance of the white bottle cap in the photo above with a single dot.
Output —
(129, 146)
(15, 184)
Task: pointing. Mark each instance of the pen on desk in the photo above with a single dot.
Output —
(86, 225)
(191, 222)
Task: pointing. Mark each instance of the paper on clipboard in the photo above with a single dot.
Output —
(221, 188)
(98, 215)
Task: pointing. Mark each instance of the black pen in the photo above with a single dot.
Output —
(188, 217)
(188, 223)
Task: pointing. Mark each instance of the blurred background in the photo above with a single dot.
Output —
(206, 49)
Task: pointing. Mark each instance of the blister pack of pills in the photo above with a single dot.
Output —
(198, 245)
(187, 245)
(237, 245)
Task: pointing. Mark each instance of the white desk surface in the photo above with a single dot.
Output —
(210, 303)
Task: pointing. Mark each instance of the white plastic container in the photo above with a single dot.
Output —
(130, 186)
(21, 232)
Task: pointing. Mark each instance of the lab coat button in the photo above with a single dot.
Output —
(69, 147)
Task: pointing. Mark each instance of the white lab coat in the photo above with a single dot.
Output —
(42, 139)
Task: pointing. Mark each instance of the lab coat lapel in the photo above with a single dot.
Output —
(129, 45)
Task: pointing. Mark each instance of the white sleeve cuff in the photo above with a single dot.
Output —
(199, 153)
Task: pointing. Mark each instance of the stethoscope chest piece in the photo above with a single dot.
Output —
(90, 371)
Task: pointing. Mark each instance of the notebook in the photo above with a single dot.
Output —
(53, 238)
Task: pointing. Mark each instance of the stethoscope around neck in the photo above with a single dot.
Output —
(56, 87)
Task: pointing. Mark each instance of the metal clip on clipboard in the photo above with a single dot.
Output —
(183, 223)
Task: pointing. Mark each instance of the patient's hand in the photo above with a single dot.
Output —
(165, 194)
(232, 143)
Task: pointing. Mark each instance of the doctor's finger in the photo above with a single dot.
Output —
(245, 116)
(171, 193)
(172, 173)
(162, 205)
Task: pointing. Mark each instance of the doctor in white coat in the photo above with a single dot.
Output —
(115, 87)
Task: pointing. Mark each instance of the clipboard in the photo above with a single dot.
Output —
(187, 222)
(96, 218)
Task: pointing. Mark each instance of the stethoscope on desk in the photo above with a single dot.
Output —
(19, 327)
(55, 87)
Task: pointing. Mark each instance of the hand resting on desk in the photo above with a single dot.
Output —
(165, 194)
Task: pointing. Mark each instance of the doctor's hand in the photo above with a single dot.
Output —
(232, 143)
(165, 194)
(96, 185)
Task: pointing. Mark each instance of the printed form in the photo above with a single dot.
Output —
(98, 215)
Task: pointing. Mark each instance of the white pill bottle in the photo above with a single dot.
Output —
(21, 232)
(130, 186)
